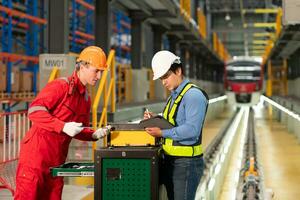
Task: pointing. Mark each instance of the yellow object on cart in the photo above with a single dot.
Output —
(130, 135)
(131, 138)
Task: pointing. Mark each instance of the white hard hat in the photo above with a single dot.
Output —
(161, 63)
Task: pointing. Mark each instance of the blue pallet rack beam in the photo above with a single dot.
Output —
(23, 20)
(81, 25)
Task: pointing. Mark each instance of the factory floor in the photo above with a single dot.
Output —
(278, 158)
(70, 192)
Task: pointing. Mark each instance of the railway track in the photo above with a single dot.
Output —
(237, 135)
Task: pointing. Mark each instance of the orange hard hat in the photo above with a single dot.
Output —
(94, 56)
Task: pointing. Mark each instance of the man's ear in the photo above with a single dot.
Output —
(178, 71)
(82, 66)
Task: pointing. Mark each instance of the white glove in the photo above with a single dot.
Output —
(101, 132)
(72, 128)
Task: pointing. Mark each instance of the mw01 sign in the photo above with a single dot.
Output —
(48, 61)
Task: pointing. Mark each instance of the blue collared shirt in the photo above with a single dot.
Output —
(190, 116)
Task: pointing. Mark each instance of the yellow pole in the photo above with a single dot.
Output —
(54, 74)
(269, 87)
(278, 22)
(269, 81)
(113, 78)
(285, 84)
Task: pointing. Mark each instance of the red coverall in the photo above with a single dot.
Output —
(45, 145)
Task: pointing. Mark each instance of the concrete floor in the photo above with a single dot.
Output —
(279, 153)
(70, 192)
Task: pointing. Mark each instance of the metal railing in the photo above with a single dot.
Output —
(13, 126)
(54, 74)
(106, 93)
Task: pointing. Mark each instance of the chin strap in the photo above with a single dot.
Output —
(71, 84)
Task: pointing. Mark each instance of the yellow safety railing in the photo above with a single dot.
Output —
(151, 84)
(185, 9)
(269, 80)
(278, 22)
(106, 93)
(215, 41)
(201, 23)
(220, 48)
(267, 52)
(124, 83)
(54, 74)
(271, 41)
(128, 85)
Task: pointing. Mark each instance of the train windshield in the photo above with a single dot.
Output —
(243, 71)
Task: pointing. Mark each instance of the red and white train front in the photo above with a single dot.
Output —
(243, 81)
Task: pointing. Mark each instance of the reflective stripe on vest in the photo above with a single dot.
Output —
(169, 146)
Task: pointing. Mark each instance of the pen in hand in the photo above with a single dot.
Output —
(148, 113)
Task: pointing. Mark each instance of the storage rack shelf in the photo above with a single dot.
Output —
(81, 24)
(121, 42)
(22, 27)
(121, 37)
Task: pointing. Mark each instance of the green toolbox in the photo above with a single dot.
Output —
(73, 169)
(126, 173)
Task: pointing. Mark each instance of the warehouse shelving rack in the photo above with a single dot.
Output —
(81, 24)
(121, 41)
(123, 83)
(22, 26)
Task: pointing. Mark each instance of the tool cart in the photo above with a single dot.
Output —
(126, 169)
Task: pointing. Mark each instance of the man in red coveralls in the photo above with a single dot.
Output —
(58, 114)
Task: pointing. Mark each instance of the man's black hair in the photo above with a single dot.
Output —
(175, 66)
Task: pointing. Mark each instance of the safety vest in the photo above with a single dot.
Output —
(174, 148)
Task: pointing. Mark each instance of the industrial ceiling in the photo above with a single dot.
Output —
(244, 26)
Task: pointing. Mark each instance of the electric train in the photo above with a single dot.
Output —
(243, 80)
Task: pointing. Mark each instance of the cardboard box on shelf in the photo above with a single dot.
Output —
(3, 76)
(15, 79)
(26, 81)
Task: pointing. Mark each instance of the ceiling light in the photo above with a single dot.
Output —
(227, 17)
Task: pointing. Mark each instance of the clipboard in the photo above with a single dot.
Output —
(156, 121)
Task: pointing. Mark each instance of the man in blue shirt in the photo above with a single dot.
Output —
(182, 161)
